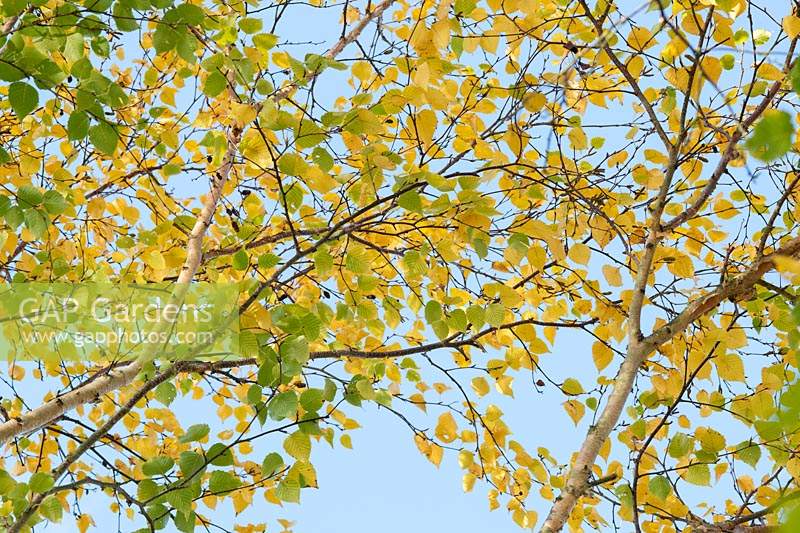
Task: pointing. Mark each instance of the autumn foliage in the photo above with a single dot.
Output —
(422, 203)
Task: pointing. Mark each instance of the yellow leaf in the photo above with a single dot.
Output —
(84, 521)
(468, 482)
(418, 400)
(534, 101)
(580, 253)
(362, 70)
(156, 261)
(465, 458)
(131, 420)
(786, 265)
(770, 72)
(504, 385)
(578, 139)
(617, 159)
(446, 428)
(480, 386)
(730, 367)
(791, 25)
(712, 68)
(572, 386)
(656, 156)
(682, 267)
(612, 276)
(601, 355)
(575, 410)
(641, 38)
(635, 66)
(435, 455)
(241, 500)
(426, 122)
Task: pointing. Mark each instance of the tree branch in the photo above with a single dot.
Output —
(578, 476)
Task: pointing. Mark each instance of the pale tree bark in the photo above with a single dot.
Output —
(639, 346)
(124, 375)
(578, 477)
(121, 376)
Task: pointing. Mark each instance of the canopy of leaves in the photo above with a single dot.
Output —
(421, 212)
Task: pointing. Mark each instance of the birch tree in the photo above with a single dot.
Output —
(421, 203)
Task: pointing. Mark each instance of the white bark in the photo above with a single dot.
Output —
(122, 376)
(578, 477)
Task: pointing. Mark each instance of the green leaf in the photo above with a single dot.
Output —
(698, 475)
(457, 320)
(265, 41)
(147, 489)
(7, 482)
(772, 137)
(222, 481)
(186, 521)
(40, 482)
(251, 25)
(180, 499)
(101, 46)
(23, 98)
(680, 445)
(82, 68)
(157, 466)
(190, 462)
(307, 134)
(311, 400)
(14, 216)
(240, 260)
(36, 222)
(271, 465)
(659, 486)
(495, 314)
(440, 329)
(298, 445)
(191, 14)
(292, 164)
(329, 392)
(269, 371)
(794, 77)
(288, 490)
(749, 453)
(254, 394)
(410, 201)
(54, 203)
(166, 393)
(295, 349)
(215, 83)
(433, 312)
(220, 455)
(164, 39)
(13, 7)
(77, 125)
(323, 262)
(51, 509)
(322, 158)
(29, 196)
(283, 405)
(248, 343)
(195, 432)
(572, 386)
(104, 137)
(476, 316)
(268, 260)
(123, 17)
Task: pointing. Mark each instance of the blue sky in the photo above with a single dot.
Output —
(384, 483)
